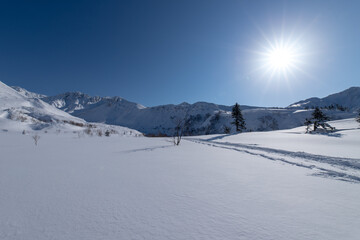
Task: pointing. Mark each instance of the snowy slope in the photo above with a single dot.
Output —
(23, 111)
(349, 98)
(27, 93)
(145, 188)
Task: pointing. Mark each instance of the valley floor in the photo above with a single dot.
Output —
(274, 185)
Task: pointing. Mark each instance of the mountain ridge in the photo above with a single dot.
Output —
(200, 117)
(349, 98)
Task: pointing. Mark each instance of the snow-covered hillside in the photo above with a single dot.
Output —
(25, 112)
(268, 185)
(19, 112)
(27, 93)
(349, 99)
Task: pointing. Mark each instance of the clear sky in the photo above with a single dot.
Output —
(158, 52)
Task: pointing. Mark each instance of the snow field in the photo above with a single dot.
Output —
(145, 188)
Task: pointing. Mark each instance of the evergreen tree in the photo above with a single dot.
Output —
(239, 121)
(318, 120)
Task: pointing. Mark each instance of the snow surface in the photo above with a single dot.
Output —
(343, 141)
(269, 185)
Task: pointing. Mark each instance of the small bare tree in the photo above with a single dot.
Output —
(36, 139)
(88, 131)
(226, 129)
(99, 133)
(179, 129)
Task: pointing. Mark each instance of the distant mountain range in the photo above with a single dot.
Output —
(200, 117)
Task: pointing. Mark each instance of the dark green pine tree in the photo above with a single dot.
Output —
(319, 118)
(239, 121)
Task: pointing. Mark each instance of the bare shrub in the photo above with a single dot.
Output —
(88, 131)
(36, 139)
(179, 131)
(99, 133)
(21, 118)
(227, 129)
(80, 134)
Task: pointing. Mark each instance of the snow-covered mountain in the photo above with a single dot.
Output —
(201, 117)
(27, 93)
(75, 101)
(24, 111)
(348, 99)
(17, 110)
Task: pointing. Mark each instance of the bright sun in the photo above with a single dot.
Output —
(281, 58)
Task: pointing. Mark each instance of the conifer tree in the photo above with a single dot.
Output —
(318, 120)
(239, 121)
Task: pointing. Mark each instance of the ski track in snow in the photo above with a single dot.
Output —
(344, 169)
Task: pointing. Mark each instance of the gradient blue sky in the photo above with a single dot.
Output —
(159, 52)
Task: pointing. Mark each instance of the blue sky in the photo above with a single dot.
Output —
(159, 52)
